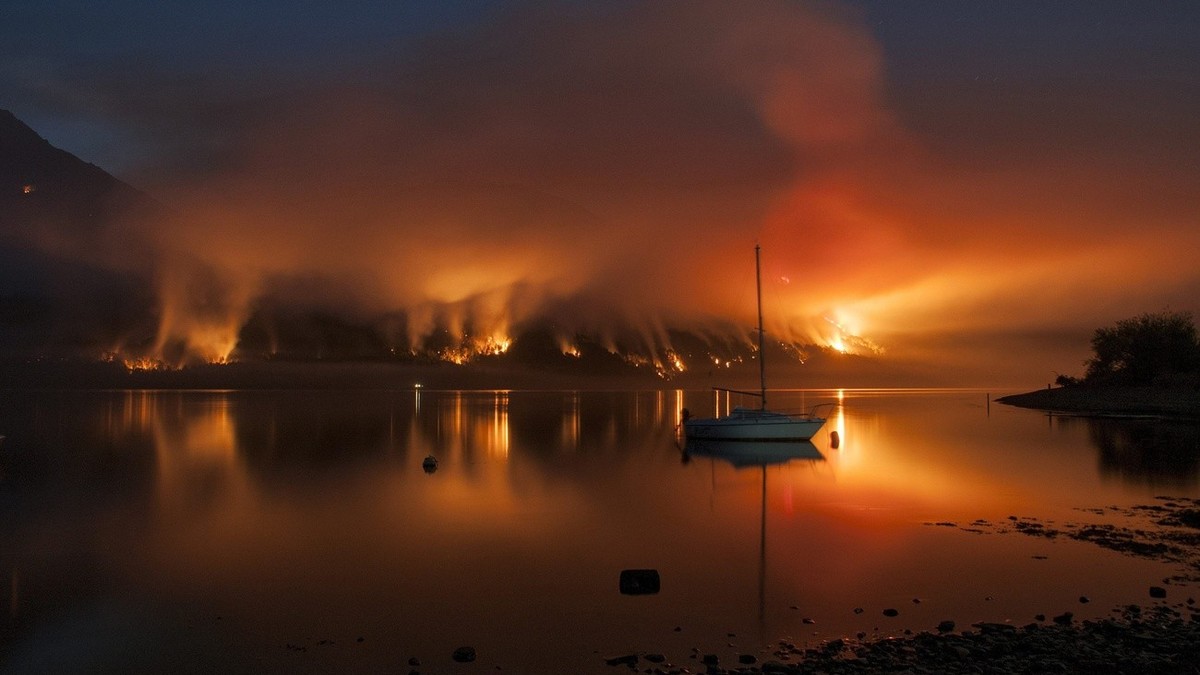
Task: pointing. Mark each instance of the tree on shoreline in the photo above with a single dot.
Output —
(1144, 350)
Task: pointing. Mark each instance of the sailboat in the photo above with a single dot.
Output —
(754, 424)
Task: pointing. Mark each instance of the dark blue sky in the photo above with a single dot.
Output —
(62, 63)
(52, 54)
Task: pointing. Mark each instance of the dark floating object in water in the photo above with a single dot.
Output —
(464, 654)
(835, 441)
(430, 464)
(639, 582)
(1158, 592)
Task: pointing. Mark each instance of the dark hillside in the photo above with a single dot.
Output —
(73, 264)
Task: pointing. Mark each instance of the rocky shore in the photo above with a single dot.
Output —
(1160, 637)
(1165, 402)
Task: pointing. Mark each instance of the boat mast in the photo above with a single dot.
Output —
(762, 366)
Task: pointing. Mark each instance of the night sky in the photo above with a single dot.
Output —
(970, 186)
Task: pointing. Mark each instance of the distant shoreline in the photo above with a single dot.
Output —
(1112, 401)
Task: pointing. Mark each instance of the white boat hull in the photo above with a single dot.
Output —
(754, 425)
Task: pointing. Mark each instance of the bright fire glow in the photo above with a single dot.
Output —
(213, 344)
(144, 363)
(472, 348)
(568, 348)
(666, 371)
(723, 363)
(846, 340)
(676, 361)
(886, 208)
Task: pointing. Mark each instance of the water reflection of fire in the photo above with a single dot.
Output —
(498, 432)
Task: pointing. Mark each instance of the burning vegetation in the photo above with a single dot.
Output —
(535, 347)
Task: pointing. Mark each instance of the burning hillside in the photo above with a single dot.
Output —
(151, 304)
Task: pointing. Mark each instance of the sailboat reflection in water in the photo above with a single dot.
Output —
(753, 453)
(754, 424)
(744, 454)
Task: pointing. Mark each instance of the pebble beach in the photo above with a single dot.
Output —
(1161, 635)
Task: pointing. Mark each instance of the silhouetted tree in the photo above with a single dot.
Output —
(1143, 349)
(1067, 380)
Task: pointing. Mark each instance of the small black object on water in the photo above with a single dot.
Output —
(835, 441)
(639, 582)
(430, 464)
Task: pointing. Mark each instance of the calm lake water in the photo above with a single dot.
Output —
(298, 532)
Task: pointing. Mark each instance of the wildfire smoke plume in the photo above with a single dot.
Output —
(601, 174)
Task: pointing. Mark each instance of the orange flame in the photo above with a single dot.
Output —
(471, 348)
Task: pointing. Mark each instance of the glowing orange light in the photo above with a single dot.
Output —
(28, 189)
(676, 361)
(471, 348)
(494, 345)
(636, 360)
(847, 338)
(213, 343)
(144, 363)
(721, 363)
(568, 349)
(456, 355)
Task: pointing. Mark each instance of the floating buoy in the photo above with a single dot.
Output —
(834, 440)
(430, 464)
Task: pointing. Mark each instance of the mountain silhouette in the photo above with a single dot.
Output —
(42, 186)
(72, 267)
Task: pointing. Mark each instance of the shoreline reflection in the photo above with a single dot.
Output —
(1152, 452)
(300, 516)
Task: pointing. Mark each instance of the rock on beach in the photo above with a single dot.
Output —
(1139, 640)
